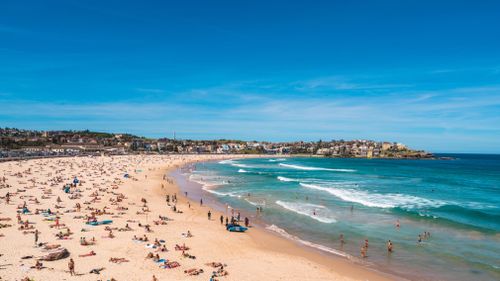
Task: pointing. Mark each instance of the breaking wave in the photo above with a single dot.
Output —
(287, 235)
(317, 212)
(280, 178)
(307, 168)
(378, 200)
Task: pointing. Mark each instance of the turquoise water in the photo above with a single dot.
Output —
(314, 200)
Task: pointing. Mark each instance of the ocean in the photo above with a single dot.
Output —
(315, 200)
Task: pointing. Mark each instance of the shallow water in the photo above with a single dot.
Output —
(314, 200)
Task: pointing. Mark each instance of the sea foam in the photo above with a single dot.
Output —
(365, 198)
(287, 235)
(280, 178)
(307, 168)
(308, 210)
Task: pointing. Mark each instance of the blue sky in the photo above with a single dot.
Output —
(425, 73)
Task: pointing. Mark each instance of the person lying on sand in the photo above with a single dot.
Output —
(187, 255)
(91, 253)
(97, 270)
(118, 260)
(170, 264)
(215, 264)
(193, 271)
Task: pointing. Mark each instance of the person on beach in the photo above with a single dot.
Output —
(389, 246)
(36, 237)
(247, 221)
(71, 267)
(201, 202)
(342, 242)
(363, 251)
(221, 219)
(209, 215)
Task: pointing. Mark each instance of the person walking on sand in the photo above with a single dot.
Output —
(201, 202)
(71, 267)
(247, 222)
(36, 237)
(221, 219)
(209, 215)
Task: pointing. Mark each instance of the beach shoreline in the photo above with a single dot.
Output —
(262, 231)
(254, 255)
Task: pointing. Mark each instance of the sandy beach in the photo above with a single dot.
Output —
(127, 194)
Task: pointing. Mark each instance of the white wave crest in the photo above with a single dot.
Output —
(377, 200)
(286, 179)
(240, 165)
(242, 171)
(210, 186)
(298, 167)
(306, 209)
(263, 203)
(210, 189)
(277, 160)
(287, 235)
